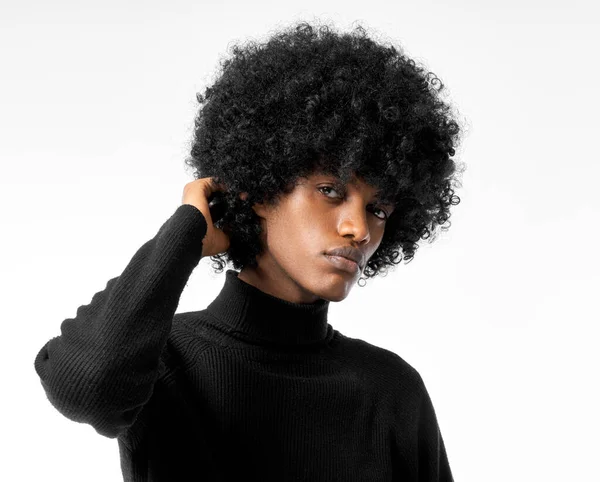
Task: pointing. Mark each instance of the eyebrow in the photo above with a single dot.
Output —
(376, 197)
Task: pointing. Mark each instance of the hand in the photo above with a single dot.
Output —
(197, 193)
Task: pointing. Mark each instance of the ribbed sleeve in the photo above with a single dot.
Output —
(102, 368)
(433, 460)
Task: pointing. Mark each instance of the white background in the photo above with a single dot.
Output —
(498, 315)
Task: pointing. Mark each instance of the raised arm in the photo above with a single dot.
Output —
(102, 369)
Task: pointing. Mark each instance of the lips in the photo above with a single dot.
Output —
(344, 264)
(348, 252)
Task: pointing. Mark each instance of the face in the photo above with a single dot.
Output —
(318, 215)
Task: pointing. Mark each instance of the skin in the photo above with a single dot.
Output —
(308, 222)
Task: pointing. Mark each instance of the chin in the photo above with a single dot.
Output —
(335, 295)
(336, 299)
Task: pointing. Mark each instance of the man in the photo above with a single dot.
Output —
(317, 158)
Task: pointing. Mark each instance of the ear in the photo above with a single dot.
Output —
(258, 208)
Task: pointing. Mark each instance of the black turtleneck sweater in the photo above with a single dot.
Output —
(251, 388)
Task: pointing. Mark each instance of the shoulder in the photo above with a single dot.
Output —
(191, 322)
(188, 338)
(390, 366)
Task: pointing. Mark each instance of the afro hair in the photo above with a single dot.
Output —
(313, 100)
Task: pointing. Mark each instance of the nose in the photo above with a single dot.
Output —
(355, 224)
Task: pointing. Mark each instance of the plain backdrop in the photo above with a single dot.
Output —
(499, 315)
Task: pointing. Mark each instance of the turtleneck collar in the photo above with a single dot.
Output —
(257, 317)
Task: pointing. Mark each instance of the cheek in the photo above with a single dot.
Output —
(373, 247)
(297, 236)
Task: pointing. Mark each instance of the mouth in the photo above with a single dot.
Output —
(343, 264)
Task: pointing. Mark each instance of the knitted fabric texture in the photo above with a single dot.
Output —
(251, 388)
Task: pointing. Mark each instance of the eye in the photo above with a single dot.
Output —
(333, 188)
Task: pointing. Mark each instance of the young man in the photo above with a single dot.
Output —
(325, 155)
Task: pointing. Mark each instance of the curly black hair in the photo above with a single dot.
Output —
(313, 100)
